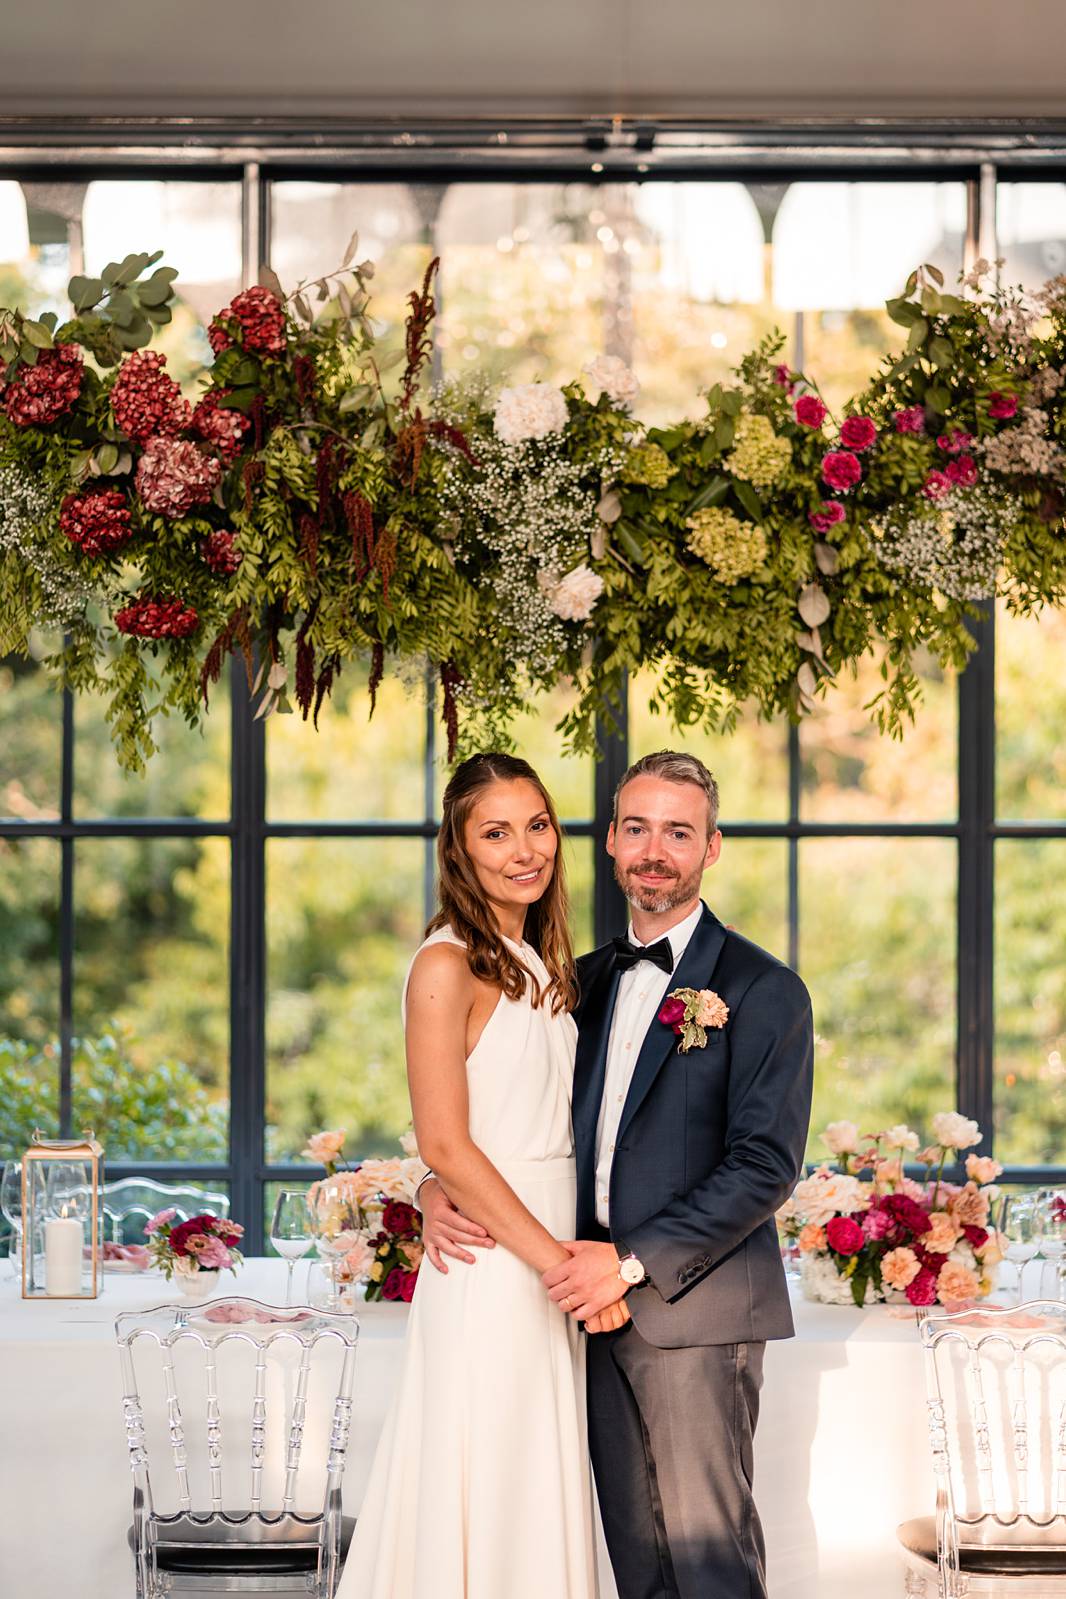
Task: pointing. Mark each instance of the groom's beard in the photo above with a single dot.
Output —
(660, 897)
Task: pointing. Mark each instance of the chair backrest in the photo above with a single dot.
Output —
(129, 1202)
(249, 1412)
(997, 1421)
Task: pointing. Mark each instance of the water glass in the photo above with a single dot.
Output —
(1051, 1237)
(290, 1231)
(11, 1206)
(1017, 1220)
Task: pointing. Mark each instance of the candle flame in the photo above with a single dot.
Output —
(64, 1210)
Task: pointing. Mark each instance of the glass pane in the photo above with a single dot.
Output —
(1031, 232)
(751, 764)
(29, 990)
(580, 865)
(1030, 715)
(851, 772)
(748, 890)
(31, 738)
(1030, 1091)
(877, 951)
(151, 996)
(188, 776)
(568, 778)
(344, 918)
(357, 766)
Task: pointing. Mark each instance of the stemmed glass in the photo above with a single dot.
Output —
(290, 1231)
(1017, 1220)
(11, 1205)
(1051, 1236)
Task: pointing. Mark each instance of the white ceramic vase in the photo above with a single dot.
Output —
(196, 1285)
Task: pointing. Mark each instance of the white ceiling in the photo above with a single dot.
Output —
(410, 58)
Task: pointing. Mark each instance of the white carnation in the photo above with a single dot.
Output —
(841, 1137)
(572, 598)
(609, 375)
(529, 411)
(953, 1131)
(900, 1137)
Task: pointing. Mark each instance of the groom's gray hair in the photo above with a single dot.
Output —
(673, 767)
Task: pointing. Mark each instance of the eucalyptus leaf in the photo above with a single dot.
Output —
(121, 308)
(826, 558)
(813, 605)
(106, 458)
(935, 273)
(918, 335)
(269, 279)
(84, 292)
(609, 507)
(37, 335)
(937, 399)
(903, 312)
(806, 679)
(350, 248)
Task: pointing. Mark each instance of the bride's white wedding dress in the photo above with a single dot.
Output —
(481, 1487)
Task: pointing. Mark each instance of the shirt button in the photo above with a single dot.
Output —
(611, 1150)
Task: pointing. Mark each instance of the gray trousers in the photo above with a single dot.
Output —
(671, 1434)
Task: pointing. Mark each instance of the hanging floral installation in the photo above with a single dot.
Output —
(310, 511)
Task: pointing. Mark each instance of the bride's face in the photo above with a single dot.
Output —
(511, 841)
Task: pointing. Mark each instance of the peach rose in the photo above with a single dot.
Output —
(811, 1238)
(942, 1234)
(326, 1147)
(982, 1168)
(900, 1267)
(954, 1283)
(969, 1207)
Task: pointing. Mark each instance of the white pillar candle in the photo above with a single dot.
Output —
(63, 1240)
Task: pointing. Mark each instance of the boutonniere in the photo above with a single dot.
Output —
(690, 1011)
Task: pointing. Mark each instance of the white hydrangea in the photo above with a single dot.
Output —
(609, 375)
(842, 1138)
(573, 597)
(953, 1131)
(529, 411)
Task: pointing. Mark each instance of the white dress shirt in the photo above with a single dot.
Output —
(641, 991)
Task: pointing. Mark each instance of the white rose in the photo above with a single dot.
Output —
(900, 1137)
(841, 1137)
(953, 1131)
(819, 1198)
(573, 597)
(529, 411)
(609, 375)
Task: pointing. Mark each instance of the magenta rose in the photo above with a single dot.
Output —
(962, 471)
(844, 1235)
(1002, 406)
(399, 1219)
(841, 470)
(858, 432)
(672, 1013)
(810, 411)
(831, 513)
(936, 485)
(922, 1291)
(407, 1285)
(910, 420)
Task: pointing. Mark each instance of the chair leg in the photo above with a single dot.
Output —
(915, 1585)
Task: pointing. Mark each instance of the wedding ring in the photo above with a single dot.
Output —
(566, 1302)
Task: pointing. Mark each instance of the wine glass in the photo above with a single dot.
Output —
(11, 1206)
(1017, 1220)
(290, 1230)
(1051, 1235)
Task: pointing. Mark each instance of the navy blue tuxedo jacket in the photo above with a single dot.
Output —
(710, 1143)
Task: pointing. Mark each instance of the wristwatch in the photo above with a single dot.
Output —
(631, 1270)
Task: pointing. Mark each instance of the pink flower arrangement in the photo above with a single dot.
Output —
(810, 411)
(1001, 407)
(831, 513)
(910, 420)
(173, 476)
(858, 433)
(365, 1224)
(202, 1243)
(841, 470)
(42, 393)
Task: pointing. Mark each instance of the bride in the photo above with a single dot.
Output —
(481, 1486)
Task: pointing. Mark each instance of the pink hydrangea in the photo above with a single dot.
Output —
(221, 552)
(810, 411)
(149, 618)
(98, 521)
(173, 476)
(831, 513)
(858, 433)
(841, 470)
(910, 420)
(936, 485)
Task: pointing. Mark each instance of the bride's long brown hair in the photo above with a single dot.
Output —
(464, 907)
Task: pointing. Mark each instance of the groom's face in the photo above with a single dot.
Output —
(660, 843)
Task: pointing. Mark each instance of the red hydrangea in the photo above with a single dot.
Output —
(218, 425)
(841, 470)
(857, 432)
(1002, 406)
(221, 553)
(962, 471)
(173, 476)
(98, 521)
(260, 323)
(145, 400)
(831, 513)
(954, 440)
(399, 1219)
(810, 411)
(148, 618)
(936, 485)
(844, 1235)
(41, 393)
(922, 1290)
(910, 420)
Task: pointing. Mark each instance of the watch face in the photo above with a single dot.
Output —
(631, 1270)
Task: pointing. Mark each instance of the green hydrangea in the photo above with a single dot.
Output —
(758, 455)
(648, 464)
(731, 548)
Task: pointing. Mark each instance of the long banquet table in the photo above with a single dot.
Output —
(841, 1457)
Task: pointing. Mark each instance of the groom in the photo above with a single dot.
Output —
(685, 1149)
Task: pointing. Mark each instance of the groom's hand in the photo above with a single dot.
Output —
(446, 1231)
(588, 1282)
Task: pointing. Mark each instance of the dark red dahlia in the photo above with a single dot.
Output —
(145, 400)
(255, 318)
(98, 521)
(39, 394)
(148, 618)
(221, 553)
(218, 425)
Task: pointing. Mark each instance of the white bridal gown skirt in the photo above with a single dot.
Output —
(481, 1488)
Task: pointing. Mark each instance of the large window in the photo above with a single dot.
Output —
(206, 964)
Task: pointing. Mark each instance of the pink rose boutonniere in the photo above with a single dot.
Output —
(689, 1012)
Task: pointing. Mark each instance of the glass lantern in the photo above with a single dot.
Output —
(62, 1218)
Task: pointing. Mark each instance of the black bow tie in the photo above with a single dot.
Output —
(627, 955)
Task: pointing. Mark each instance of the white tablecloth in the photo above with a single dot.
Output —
(841, 1451)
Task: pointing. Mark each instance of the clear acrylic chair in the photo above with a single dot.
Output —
(996, 1384)
(237, 1434)
(129, 1202)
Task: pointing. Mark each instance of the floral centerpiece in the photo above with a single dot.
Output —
(883, 1237)
(201, 1244)
(366, 1226)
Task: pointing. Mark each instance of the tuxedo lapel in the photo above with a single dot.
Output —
(590, 1064)
(694, 971)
